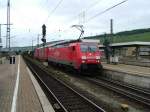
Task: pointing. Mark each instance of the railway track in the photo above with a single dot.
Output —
(129, 86)
(137, 94)
(62, 97)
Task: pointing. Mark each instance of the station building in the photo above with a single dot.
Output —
(131, 52)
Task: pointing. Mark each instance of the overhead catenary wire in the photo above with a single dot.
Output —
(108, 9)
(100, 13)
(51, 12)
(86, 9)
(49, 15)
(93, 5)
(74, 17)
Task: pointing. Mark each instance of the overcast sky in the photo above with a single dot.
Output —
(27, 17)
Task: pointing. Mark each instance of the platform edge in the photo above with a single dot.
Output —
(47, 107)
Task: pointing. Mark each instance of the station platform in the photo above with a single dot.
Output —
(131, 69)
(19, 91)
(135, 75)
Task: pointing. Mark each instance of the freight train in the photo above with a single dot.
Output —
(78, 54)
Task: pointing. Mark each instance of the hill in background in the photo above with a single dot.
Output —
(125, 36)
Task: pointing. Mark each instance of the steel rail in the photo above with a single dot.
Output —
(88, 104)
(129, 86)
(129, 94)
(33, 71)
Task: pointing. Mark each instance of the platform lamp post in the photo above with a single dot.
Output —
(112, 37)
(111, 30)
(107, 48)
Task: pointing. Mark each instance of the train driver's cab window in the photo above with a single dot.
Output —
(89, 48)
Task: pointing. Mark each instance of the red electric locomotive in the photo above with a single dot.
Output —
(77, 54)
(41, 53)
(36, 53)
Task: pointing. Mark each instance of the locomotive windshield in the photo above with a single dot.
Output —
(88, 48)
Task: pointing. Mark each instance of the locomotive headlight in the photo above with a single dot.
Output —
(97, 57)
(83, 61)
(83, 57)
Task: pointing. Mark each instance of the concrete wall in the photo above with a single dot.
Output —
(135, 79)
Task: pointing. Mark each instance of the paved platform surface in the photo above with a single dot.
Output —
(7, 82)
(27, 99)
(128, 69)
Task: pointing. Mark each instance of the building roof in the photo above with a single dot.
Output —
(54, 43)
(129, 44)
(132, 43)
(57, 42)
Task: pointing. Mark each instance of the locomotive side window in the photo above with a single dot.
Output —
(93, 48)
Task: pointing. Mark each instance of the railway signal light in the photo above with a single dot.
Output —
(44, 33)
(43, 30)
(43, 40)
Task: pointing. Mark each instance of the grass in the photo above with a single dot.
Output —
(126, 36)
(145, 37)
